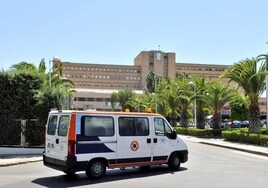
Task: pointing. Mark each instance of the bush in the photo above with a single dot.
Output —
(198, 132)
(182, 130)
(235, 135)
(245, 137)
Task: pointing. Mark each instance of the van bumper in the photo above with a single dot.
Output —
(69, 166)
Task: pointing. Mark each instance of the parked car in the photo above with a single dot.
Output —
(263, 123)
(226, 124)
(245, 123)
(236, 124)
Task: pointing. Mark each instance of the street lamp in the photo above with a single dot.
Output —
(192, 83)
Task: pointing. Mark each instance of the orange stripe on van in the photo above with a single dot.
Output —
(72, 135)
(120, 165)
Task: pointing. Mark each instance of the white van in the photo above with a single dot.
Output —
(90, 141)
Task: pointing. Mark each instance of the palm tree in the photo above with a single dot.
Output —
(249, 74)
(53, 83)
(216, 97)
(122, 97)
(200, 95)
(167, 96)
(138, 102)
(185, 97)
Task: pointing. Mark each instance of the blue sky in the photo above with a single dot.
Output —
(115, 31)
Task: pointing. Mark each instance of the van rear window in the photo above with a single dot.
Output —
(97, 126)
(63, 125)
(52, 125)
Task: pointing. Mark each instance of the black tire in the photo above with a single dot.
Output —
(96, 169)
(145, 168)
(70, 174)
(174, 162)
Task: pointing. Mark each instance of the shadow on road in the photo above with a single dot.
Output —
(81, 179)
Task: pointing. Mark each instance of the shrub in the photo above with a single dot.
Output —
(182, 130)
(198, 132)
(245, 137)
(230, 135)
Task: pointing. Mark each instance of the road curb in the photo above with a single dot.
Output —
(12, 162)
(236, 148)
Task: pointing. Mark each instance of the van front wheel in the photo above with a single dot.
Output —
(96, 169)
(174, 162)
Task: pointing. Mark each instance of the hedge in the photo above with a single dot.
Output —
(198, 132)
(236, 135)
(240, 136)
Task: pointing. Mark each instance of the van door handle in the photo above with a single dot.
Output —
(149, 140)
(57, 141)
(155, 140)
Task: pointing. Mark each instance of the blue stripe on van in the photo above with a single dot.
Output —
(91, 147)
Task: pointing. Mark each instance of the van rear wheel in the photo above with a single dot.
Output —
(70, 174)
(174, 162)
(95, 169)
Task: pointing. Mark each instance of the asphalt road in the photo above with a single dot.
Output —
(208, 166)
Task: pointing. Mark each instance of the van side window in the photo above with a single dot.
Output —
(63, 125)
(161, 127)
(133, 126)
(52, 125)
(97, 126)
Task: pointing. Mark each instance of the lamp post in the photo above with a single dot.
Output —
(195, 121)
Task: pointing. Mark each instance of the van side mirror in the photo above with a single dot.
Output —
(172, 135)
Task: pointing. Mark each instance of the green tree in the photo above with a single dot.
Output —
(200, 87)
(217, 96)
(185, 95)
(167, 96)
(249, 74)
(54, 89)
(138, 102)
(122, 97)
(17, 102)
(239, 108)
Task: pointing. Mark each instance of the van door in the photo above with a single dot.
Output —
(163, 145)
(57, 136)
(134, 141)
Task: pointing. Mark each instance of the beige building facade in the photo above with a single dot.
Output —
(94, 83)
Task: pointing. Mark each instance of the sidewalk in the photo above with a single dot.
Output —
(260, 150)
(7, 160)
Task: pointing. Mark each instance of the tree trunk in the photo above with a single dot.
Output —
(254, 118)
(200, 118)
(184, 118)
(216, 120)
(173, 120)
